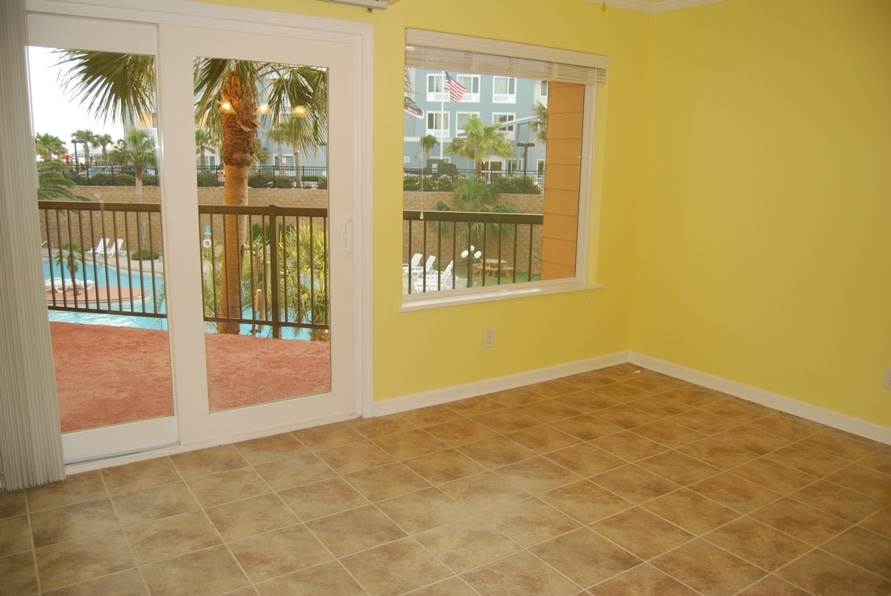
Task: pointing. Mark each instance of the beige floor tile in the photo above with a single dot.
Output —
(634, 483)
(708, 569)
(530, 521)
(629, 446)
(73, 521)
(837, 500)
(621, 392)
(585, 501)
(444, 466)
(661, 405)
(154, 503)
(879, 522)
(429, 416)
(279, 552)
(453, 586)
(311, 501)
(13, 503)
(372, 428)
(224, 487)
(717, 453)
(327, 436)
(757, 543)
(322, 580)
(587, 402)
(354, 530)
(626, 416)
(695, 396)
(654, 382)
(786, 425)
(543, 438)
(807, 459)
(460, 431)
(802, 521)
(643, 580)
(774, 476)
(396, 568)
(841, 444)
(585, 459)
(123, 583)
(140, 475)
(505, 421)
(642, 533)
(77, 488)
(865, 548)
(549, 410)
(294, 471)
(537, 475)
(467, 543)
(409, 444)
(691, 511)
(209, 571)
(519, 574)
(355, 456)
(250, 516)
(704, 422)
(384, 482)
(879, 460)
(265, 449)
(552, 389)
(668, 433)
(475, 405)
(18, 573)
(496, 451)
(586, 427)
(752, 439)
(15, 535)
(423, 510)
(481, 492)
(585, 557)
(515, 398)
(864, 480)
(679, 468)
(208, 461)
(84, 559)
(171, 537)
(773, 586)
(821, 573)
(735, 492)
(739, 410)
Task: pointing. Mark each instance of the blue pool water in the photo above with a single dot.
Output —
(144, 283)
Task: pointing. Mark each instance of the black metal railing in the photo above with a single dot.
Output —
(438, 178)
(487, 248)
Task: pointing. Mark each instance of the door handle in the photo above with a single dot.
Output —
(347, 237)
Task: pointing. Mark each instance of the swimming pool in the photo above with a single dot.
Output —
(149, 300)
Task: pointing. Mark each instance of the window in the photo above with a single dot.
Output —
(471, 85)
(435, 90)
(438, 124)
(504, 90)
(501, 118)
(542, 243)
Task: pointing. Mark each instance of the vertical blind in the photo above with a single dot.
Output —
(443, 51)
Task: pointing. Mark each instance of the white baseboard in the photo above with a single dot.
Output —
(857, 426)
(449, 394)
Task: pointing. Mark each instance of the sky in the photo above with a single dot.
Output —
(52, 110)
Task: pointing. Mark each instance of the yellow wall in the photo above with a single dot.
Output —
(764, 242)
(426, 350)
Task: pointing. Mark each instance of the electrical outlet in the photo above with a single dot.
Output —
(886, 383)
(488, 338)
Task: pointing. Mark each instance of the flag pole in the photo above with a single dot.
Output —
(442, 110)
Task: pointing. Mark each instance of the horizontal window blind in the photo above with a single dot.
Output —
(442, 51)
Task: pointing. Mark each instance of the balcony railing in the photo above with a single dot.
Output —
(485, 248)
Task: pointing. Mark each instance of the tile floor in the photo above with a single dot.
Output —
(618, 481)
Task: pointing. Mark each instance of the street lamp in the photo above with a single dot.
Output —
(525, 145)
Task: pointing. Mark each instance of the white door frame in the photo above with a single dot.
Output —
(359, 39)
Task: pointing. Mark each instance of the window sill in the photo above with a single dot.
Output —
(412, 302)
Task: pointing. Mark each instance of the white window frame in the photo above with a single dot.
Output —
(458, 121)
(439, 92)
(492, 57)
(510, 132)
(510, 96)
(471, 84)
(439, 133)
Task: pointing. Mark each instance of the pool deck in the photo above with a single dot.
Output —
(97, 295)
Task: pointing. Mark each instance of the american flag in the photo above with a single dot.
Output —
(456, 89)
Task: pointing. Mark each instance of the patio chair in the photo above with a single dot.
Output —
(100, 247)
(61, 285)
(413, 265)
(433, 281)
(112, 249)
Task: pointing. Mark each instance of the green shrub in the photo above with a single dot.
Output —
(310, 178)
(149, 180)
(145, 255)
(411, 183)
(208, 179)
(521, 186)
(322, 183)
(260, 180)
(283, 182)
(444, 183)
(100, 179)
(126, 180)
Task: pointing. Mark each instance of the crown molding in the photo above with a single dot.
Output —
(653, 6)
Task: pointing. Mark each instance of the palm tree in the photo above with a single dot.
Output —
(427, 143)
(86, 137)
(540, 126)
(298, 133)
(52, 183)
(136, 149)
(479, 142)
(49, 146)
(205, 143)
(102, 142)
(227, 100)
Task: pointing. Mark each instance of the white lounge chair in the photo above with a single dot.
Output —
(113, 249)
(413, 265)
(100, 247)
(434, 281)
(62, 285)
